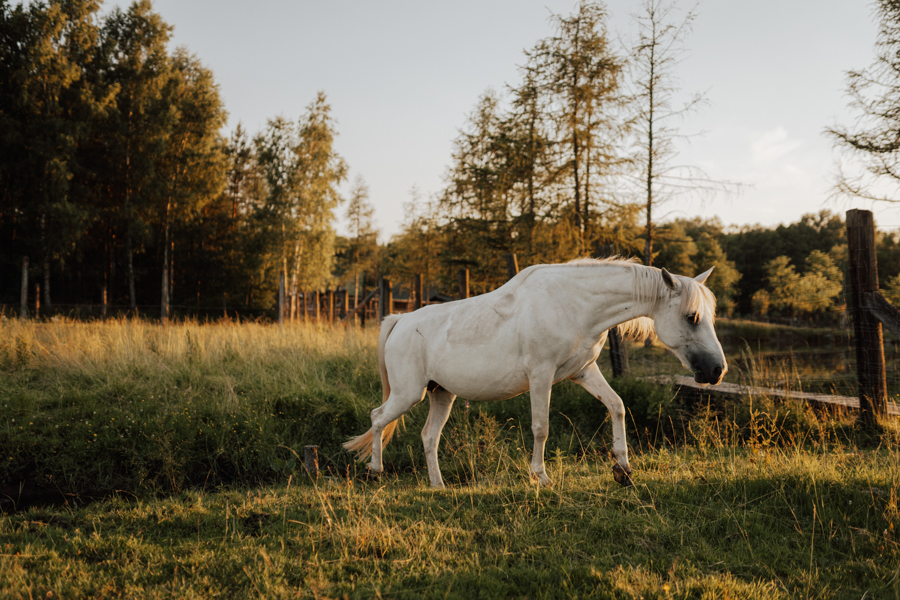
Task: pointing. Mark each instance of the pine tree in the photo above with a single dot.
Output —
(582, 74)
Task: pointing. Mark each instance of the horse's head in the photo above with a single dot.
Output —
(684, 321)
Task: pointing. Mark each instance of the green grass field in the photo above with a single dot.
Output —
(163, 462)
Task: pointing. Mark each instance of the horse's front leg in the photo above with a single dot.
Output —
(593, 381)
(540, 424)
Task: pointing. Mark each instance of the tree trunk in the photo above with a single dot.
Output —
(46, 248)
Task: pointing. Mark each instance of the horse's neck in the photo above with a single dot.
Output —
(607, 292)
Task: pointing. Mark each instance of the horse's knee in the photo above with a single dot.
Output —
(428, 440)
(540, 431)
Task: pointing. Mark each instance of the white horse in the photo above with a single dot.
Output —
(546, 324)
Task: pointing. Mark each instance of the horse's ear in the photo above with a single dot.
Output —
(702, 277)
(669, 280)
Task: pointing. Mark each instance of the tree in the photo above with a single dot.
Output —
(250, 249)
(875, 95)
(302, 172)
(655, 56)
(419, 247)
(581, 71)
(658, 51)
(724, 280)
(810, 293)
(820, 285)
(134, 57)
(363, 243)
(783, 283)
(191, 168)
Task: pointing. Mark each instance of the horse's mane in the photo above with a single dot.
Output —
(648, 286)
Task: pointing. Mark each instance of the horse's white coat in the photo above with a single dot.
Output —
(547, 324)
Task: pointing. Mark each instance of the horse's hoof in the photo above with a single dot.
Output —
(622, 476)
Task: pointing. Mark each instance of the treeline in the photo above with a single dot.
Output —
(114, 174)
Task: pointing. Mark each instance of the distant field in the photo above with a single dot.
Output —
(148, 461)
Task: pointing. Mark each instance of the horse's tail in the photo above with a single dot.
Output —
(362, 444)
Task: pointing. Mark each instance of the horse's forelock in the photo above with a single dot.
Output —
(698, 300)
(648, 286)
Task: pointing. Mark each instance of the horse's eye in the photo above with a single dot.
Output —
(691, 318)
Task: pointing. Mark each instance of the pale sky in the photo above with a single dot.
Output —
(401, 76)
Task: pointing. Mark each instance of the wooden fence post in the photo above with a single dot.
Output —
(386, 302)
(512, 266)
(280, 298)
(344, 296)
(164, 295)
(293, 300)
(463, 284)
(23, 306)
(329, 306)
(618, 350)
(361, 296)
(417, 291)
(862, 275)
(311, 460)
(618, 353)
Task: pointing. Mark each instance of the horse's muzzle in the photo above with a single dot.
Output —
(711, 375)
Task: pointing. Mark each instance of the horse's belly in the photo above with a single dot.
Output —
(481, 381)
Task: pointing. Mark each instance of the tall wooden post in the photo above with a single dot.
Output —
(862, 275)
(618, 353)
(164, 296)
(463, 284)
(417, 291)
(311, 460)
(280, 298)
(23, 306)
(329, 306)
(512, 266)
(386, 302)
(344, 299)
(362, 296)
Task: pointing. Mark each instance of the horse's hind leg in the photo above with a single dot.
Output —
(396, 406)
(540, 424)
(441, 403)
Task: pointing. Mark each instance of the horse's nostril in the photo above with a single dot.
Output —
(717, 374)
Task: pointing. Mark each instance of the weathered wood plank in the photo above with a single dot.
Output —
(734, 389)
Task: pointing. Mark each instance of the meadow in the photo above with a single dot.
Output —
(147, 461)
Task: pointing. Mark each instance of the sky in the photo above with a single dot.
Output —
(401, 76)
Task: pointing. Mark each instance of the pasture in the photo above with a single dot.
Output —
(140, 461)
